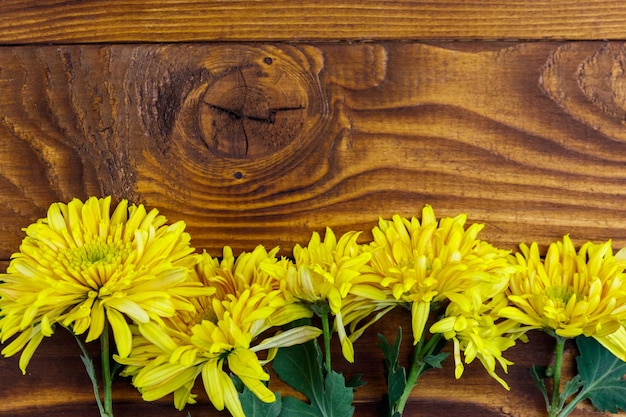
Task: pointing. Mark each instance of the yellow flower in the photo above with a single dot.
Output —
(331, 275)
(425, 264)
(473, 323)
(82, 265)
(224, 330)
(572, 293)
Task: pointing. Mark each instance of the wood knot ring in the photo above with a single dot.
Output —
(233, 111)
(248, 112)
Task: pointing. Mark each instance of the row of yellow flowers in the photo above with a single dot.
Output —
(177, 315)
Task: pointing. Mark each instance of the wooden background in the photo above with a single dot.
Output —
(260, 122)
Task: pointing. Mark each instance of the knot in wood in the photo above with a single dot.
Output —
(232, 112)
(253, 110)
(588, 80)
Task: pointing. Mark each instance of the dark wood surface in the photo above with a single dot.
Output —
(265, 143)
(329, 114)
(94, 21)
(56, 384)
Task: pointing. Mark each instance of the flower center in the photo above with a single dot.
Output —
(560, 293)
(204, 314)
(96, 263)
(95, 252)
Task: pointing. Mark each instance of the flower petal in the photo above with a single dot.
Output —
(121, 332)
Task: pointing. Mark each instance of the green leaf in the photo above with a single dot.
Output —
(602, 376)
(539, 375)
(300, 366)
(337, 397)
(570, 388)
(434, 361)
(253, 407)
(294, 407)
(356, 381)
(395, 374)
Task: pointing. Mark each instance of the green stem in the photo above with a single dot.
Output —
(327, 335)
(554, 408)
(107, 377)
(572, 404)
(418, 367)
(91, 372)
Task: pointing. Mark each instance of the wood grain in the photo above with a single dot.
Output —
(265, 143)
(56, 383)
(97, 21)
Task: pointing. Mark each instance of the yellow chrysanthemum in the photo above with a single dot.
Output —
(331, 274)
(224, 331)
(572, 293)
(82, 265)
(473, 323)
(427, 262)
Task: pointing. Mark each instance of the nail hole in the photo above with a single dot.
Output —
(238, 175)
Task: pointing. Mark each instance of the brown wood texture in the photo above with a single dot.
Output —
(264, 143)
(371, 108)
(56, 384)
(59, 21)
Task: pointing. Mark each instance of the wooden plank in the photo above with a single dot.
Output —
(56, 383)
(96, 21)
(265, 143)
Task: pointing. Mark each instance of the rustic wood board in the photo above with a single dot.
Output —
(93, 21)
(56, 384)
(265, 143)
(371, 108)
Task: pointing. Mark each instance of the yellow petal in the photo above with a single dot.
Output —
(368, 291)
(290, 337)
(29, 350)
(259, 389)
(128, 307)
(346, 344)
(183, 396)
(97, 321)
(17, 344)
(334, 300)
(120, 213)
(157, 335)
(244, 363)
(212, 381)
(231, 396)
(121, 332)
(419, 314)
(615, 343)
(46, 327)
(444, 325)
(29, 314)
(163, 380)
(516, 315)
(569, 331)
(458, 364)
